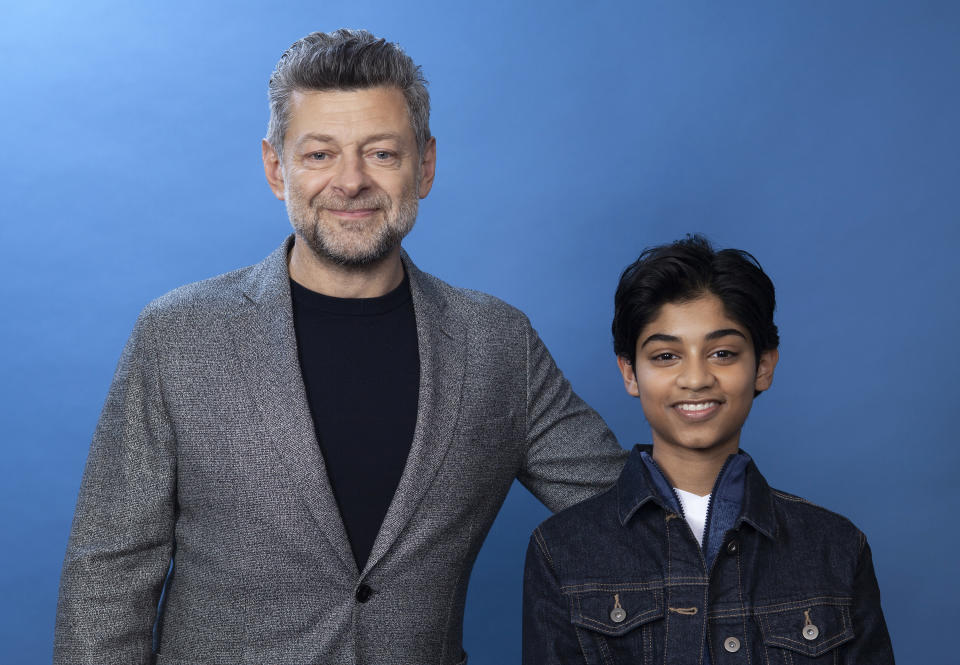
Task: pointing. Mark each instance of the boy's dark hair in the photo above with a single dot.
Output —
(683, 271)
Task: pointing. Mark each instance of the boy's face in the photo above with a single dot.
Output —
(695, 375)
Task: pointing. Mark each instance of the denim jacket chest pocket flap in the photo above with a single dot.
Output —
(614, 609)
(812, 628)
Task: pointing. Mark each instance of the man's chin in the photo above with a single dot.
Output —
(361, 261)
(359, 256)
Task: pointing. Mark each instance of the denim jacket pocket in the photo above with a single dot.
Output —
(615, 622)
(806, 631)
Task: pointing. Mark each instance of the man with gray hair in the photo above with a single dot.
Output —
(298, 461)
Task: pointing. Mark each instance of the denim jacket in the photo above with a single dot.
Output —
(620, 578)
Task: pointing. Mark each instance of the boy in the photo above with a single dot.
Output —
(691, 558)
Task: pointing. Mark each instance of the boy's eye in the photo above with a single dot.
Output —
(725, 354)
(664, 357)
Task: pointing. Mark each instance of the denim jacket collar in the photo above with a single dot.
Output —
(636, 487)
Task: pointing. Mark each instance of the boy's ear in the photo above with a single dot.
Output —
(629, 376)
(768, 362)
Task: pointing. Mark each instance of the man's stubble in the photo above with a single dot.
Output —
(353, 243)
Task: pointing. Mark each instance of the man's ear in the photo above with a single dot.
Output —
(768, 362)
(273, 169)
(629, 376)
(428, 167)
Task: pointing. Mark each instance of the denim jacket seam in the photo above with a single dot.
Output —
(686, 582)
(542, 544)
(576, 632)
(743, 616)
(763, 610)
(587, 587)
(792, 497)
(637, 619)
(838, 601)
(826, 645)
(780, 494)
(839, 638)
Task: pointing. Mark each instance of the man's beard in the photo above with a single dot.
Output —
(353, 243)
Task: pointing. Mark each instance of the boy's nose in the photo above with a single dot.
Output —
(695, 375)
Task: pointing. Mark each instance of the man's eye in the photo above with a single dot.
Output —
(383, 155)
(318, 156)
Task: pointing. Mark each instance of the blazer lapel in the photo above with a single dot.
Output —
(441, 342)
(267, 346)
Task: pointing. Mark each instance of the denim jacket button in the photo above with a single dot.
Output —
(731, 644)
(810, 632)
(618, 614)
(732, 547)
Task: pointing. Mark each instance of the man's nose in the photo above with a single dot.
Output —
(695, 374)
(349, 176)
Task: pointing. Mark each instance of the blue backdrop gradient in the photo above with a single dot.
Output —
(821, 136)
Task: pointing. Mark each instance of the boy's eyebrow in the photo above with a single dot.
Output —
(716, 334)
(659, 337)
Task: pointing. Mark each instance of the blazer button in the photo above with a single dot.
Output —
(363, 593)
(732, 547)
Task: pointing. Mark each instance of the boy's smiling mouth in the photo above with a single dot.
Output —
(700, 410)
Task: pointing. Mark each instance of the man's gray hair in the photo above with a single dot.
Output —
(346, 60)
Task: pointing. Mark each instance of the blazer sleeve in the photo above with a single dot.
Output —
(121, 542)
(571, 454)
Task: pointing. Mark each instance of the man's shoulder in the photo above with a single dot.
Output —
(473, 305)
(217, 298)
(207, 298)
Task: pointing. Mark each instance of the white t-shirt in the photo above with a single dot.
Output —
(695, 511)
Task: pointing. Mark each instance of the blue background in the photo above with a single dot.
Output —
(821, 136)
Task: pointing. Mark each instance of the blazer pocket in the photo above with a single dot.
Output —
(617, 623)
(806, 633)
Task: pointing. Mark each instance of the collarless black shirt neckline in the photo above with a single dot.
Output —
(307, 299)
(360, 363)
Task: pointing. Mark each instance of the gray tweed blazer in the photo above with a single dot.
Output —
(205, 456)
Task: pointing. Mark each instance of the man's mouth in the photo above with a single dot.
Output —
(353, 214)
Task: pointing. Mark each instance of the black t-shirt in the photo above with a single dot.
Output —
(361, 369)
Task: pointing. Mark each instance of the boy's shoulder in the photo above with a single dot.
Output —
(598, 518)
(596, 515)
(793, 507)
